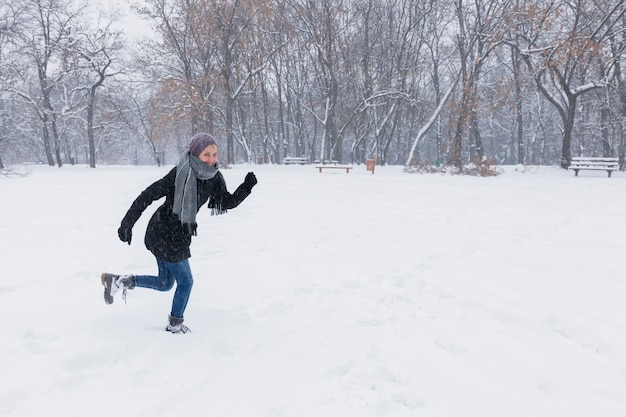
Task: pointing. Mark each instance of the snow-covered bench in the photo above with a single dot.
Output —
(594, 163)
(334, 166)
(288, 160)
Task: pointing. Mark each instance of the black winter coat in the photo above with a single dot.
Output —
(166, 237)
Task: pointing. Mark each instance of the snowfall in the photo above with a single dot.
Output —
(323, 294)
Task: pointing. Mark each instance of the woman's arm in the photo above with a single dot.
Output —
(155, 191)
(221, 200)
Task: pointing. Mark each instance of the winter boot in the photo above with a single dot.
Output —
(113, 283)
(176, 325)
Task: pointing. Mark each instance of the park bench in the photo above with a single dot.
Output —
(334, 166)
(288, 160)
(594, 163)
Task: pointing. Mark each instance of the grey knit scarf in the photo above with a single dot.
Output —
(188, 170)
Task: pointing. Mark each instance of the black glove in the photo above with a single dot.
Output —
(249, 181)
(125, 234)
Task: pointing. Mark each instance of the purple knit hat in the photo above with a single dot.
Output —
(199, 142)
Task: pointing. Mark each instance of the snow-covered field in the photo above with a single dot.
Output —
(327, 294)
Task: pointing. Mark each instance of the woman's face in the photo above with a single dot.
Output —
(209, 155)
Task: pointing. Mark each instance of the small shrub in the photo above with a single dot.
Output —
(486, 168)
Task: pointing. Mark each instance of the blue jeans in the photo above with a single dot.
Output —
(178, 272)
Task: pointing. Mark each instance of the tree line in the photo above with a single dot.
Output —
(414, 82)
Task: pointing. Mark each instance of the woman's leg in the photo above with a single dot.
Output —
(170, 273)
(163, 282)
(184, 282)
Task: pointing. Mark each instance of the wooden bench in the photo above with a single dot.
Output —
(335, 166)
(288, 160)
(594, 163)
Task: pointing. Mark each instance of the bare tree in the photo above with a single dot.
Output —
(97, 49)
(45, 42)
(479, 26)
(321, 23)
(561, 49)
(9, 25)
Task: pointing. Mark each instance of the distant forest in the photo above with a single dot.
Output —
(415, 82)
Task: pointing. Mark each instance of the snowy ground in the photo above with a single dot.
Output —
(327, 294)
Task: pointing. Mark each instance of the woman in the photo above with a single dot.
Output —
(186, 188)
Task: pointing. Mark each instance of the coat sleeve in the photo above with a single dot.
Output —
(221, 200)
(155, 191)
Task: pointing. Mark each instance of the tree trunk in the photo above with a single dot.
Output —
(519, 118)
(607, 149)
(476, 141)
(568, 128)
(57, 142)
(90, 138)
(46, 140)
(230, 148)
